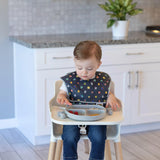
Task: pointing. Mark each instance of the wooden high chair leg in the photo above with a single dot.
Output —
(107, 153)
(52, 149)
(86, 145)
(118, 150)
(58, 150)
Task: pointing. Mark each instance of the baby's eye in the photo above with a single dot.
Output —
(79, 68)
(89, 69)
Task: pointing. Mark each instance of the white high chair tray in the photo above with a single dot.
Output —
(115, 118)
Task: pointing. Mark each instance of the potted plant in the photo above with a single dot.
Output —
(120, 11)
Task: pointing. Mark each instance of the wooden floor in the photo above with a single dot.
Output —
(138, 146)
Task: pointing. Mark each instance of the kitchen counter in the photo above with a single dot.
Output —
(67, 40)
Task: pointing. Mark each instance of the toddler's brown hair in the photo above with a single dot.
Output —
(87, 49)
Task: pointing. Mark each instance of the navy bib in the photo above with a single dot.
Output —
(92, 90)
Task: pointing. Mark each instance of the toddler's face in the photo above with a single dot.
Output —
(86, 68)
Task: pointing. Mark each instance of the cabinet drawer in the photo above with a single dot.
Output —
(130, 54)
(55, 58)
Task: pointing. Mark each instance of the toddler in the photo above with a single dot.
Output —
(86, 85)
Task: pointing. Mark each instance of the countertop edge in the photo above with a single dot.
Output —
(69, 40)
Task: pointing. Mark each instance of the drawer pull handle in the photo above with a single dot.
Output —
(132, 54)
(129, 80)
(137, 81)
(67, 57)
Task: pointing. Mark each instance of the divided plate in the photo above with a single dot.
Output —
(85, 112)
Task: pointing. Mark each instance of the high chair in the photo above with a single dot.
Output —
(55, 148)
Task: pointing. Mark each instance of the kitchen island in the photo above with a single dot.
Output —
(133, 64)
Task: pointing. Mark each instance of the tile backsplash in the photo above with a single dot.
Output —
(37, 17)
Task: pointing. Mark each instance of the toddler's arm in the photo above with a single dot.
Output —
(113, 102)
(62, 98)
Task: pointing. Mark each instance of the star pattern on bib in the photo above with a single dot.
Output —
(95, 89)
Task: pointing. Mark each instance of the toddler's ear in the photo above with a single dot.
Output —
(99, 64)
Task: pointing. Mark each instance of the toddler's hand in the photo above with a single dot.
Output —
(61, 99)
(112, 101)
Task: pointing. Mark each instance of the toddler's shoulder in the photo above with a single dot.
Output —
(103, 74)
(69, 75)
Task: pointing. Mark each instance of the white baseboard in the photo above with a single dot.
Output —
(35, 140)
(8, 123)
(42, 140)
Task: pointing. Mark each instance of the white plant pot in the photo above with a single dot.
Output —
(120, 30)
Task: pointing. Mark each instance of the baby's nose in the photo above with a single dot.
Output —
(85, 71)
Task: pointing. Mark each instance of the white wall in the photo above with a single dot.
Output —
(6, 66)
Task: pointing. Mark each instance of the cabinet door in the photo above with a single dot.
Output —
(121, 78)
(45, 91)
(146, 93)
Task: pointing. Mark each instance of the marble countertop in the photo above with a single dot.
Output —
(67, 40)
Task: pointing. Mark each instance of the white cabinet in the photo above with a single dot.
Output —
(51, 64)
(145, 93)
(119, 76)
(138, 87)
(134, 68)
(35, 72)
(45, 91)
(136, 78)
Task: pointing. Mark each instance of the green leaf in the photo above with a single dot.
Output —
(112, 15)
(129, 8)
(126, 3)
(106, 3)
(110, 23)
(106, 8)
(121, 16)
(111, 8)
(116, 7)
(130, 2)
(117, 2)
(135, 12)
(111, 2)
(134, 5)
(121, 3)
(119, 9)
